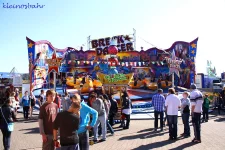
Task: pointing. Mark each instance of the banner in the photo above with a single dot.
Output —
(192, 56)
(38, 53)
(31, 57)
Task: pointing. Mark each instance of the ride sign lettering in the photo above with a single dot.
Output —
(124, 44)
(115, 78)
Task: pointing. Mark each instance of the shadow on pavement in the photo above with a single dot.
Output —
(186, 145)
(154, 145)
(163, 143)
(26, 121)
(118, 129)
(143, 135)
(146, 130)
(30, 130)
(219, 120)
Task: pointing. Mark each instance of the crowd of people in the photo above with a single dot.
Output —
(191, 104)
(79, 118)
(68, 121)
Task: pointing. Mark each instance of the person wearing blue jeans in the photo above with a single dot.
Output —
(196, 98)
(98, 105)
(26, 103)
(6, 138)
(156, 115)
(84, 127)
(172, 104)
(64, 85)
(185, 119)
(107, 105)
(158, 101)
(109, 127)
(172, 120)
(185, 113)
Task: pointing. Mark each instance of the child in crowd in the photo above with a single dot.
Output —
(185, 113)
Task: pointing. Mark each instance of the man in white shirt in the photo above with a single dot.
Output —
(196, 98)
(172, 105)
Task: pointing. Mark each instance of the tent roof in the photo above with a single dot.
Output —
(7, 75)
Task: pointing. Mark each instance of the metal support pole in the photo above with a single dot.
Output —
(173, 80)
(134, 34)
(54, 80)
(88, 42)
(120, 101)
(49, 81)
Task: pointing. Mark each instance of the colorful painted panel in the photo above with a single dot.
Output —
(150, 63)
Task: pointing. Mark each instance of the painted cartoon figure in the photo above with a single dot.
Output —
(113, 62)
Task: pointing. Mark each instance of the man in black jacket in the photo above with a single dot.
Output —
(113, 110)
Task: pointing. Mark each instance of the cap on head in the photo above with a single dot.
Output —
(193, 86)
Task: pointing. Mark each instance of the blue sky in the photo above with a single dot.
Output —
(69, 23)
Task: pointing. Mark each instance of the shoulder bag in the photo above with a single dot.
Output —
(10, 126)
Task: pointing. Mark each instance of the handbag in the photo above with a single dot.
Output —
(10, 126)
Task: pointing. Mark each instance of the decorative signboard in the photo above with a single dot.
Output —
(124, 44)
(129, 60)
(115, 79)
(54, 63)
(173, 64)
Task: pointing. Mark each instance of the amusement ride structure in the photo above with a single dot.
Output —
(113, 65)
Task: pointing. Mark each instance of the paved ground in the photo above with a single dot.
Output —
(139, 137)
